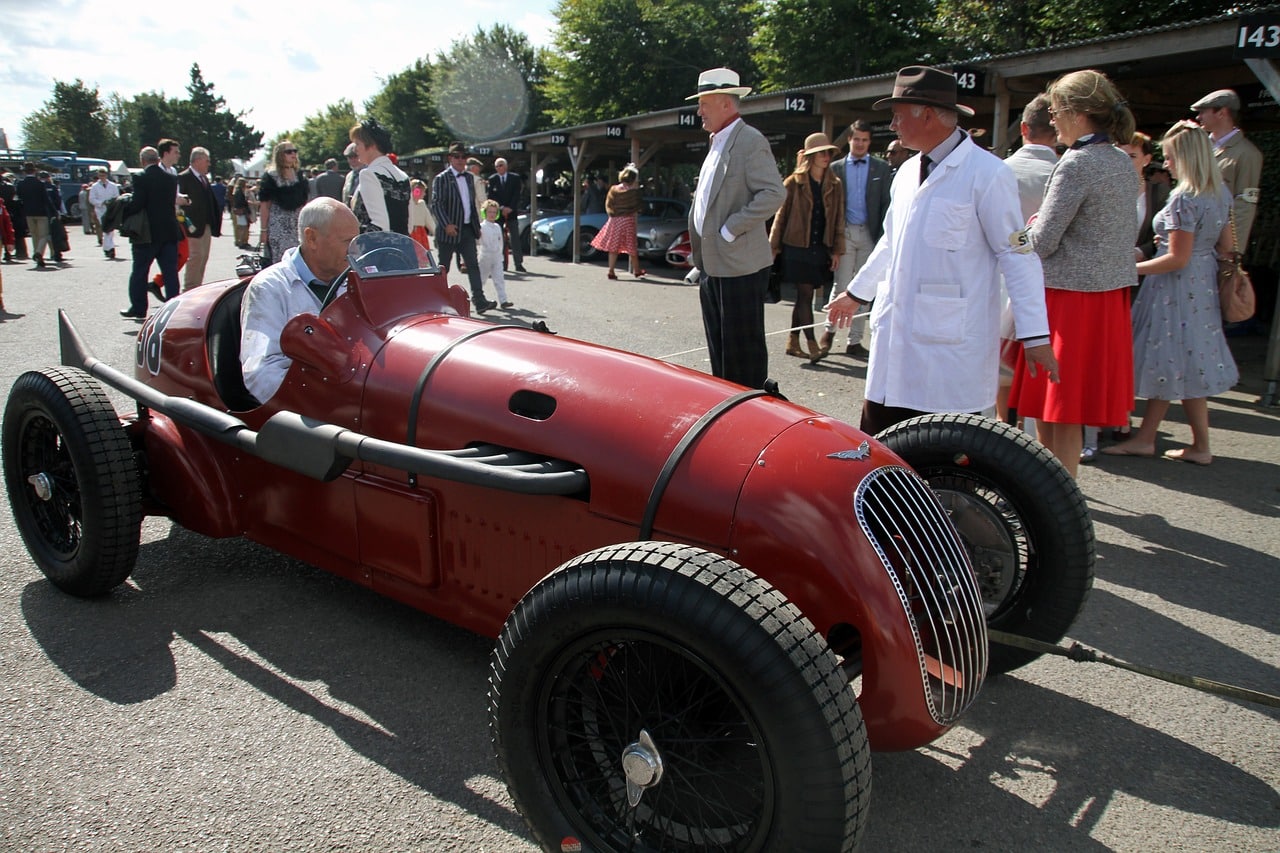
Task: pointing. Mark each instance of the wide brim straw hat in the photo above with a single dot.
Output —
(719, 81)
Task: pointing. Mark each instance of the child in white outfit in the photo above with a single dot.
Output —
(491, 251)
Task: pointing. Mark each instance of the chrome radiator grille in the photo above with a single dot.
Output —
(930, 568)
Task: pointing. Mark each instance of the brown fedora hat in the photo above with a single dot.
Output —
(920, 84)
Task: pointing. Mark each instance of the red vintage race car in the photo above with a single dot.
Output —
(709, 603)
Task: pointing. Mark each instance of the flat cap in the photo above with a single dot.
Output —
(1218, 99)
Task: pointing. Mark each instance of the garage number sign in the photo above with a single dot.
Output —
(688, 118)
(559, 139)
(802, 104)
(970, 81)
(1258, 36)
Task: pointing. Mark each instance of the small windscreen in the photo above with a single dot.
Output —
(386, 253)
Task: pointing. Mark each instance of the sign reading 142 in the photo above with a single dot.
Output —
(1258, 36)
(802, 104)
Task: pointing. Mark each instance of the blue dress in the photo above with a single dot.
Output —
(1179, 350)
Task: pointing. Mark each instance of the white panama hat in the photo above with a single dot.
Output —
(719, 81)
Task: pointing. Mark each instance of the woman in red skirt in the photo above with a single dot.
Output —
(421, 223)
(618, 236)
(1084, 235)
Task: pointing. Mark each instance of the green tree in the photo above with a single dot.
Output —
(205, 120)
(73, 119)
(616, 58)
(857, 37)
(489, 85)
(322, 135)
(971, 28)
(403, 106)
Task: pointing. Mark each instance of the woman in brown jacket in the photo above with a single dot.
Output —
(618, 236)
(809, 236)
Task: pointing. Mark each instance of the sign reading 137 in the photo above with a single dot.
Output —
(1258, 36)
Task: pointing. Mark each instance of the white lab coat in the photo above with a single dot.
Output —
(935, 278)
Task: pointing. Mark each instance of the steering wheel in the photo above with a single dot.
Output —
(386, 259)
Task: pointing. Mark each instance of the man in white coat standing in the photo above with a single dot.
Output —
(954, 225)
(738, 189)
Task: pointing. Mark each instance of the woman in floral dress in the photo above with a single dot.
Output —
(281, 194)
(1180, 352)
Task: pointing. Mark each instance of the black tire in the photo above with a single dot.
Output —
(586, 251)
(72, 480)
(1022, 517)
(760, 738)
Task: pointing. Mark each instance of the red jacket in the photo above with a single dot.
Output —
(6, 227)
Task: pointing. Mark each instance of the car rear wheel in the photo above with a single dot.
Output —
(1021, 516)
(72, 480)
(652, 696)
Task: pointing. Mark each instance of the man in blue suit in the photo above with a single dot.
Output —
(866, 182)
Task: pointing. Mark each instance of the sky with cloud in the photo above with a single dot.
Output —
(278, 64)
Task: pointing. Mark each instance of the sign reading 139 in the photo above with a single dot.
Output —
(1258, 36)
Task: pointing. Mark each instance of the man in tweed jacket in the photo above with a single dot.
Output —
(738, 189)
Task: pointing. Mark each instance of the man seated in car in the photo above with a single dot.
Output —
(295, 285)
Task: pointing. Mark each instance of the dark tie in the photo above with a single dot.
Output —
(925, 165)
(320, 289)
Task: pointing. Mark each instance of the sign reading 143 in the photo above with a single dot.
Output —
(970, 80)
(1258, 36)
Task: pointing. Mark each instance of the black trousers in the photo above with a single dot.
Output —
(465, 246)
(733, 319)
(877, 417)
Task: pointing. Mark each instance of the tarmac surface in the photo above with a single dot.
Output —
(228, 698)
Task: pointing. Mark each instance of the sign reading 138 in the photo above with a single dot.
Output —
(1258, 36)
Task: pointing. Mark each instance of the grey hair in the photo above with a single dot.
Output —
(947, 118)
(199, 153)
(148, 155)
(317, 214)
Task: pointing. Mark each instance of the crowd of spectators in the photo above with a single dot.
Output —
(1052, 295)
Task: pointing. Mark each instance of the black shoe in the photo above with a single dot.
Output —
(110, 253)
(520, 268)
(485, 306)
(154, 290)
(508, 305)
(39, 262)
(857, 351)
(129, 314)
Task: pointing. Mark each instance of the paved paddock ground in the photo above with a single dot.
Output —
(230, 699)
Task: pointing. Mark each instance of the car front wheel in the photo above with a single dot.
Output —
(655, 697)
(1019, 513)
(72, 480)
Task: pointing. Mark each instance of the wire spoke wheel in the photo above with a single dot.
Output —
(654, 697)
(714, 784)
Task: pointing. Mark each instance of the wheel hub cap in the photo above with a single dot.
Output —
(642, 765)
(42, 485)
